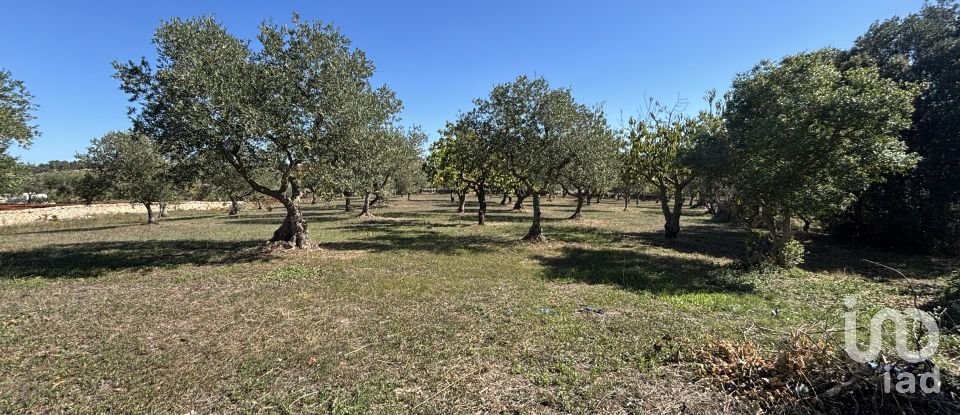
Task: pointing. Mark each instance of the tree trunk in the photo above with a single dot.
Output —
(626, 202)
(519, 204)
(347, 207)
(504, 200)
(461, 201)
(535, 234)
(259, 204)
(293, 230)
(408, 195)
(671, 226)
(482, 201)
(599, 195)
(577, 215)
(638, 198)
(163, 209)
(313, 197)
(786, 226)
(806, 223)
(451, 197)
(365, 212)
(150, 218)
(234, 207)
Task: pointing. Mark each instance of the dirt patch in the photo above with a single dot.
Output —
(34, 213)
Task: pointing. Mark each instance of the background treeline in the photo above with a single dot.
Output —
(861, 143)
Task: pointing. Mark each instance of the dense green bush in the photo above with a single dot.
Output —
(763, 250)
(951, 300)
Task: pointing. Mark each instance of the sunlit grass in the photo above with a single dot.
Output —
(418, 310)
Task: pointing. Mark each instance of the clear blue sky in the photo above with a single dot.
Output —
(439, 55)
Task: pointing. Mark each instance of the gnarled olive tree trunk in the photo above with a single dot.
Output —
(461, 201)
(577, 214)
(535, 234)
(521, 196)
(671, 224)
(234, 206)
(365, 212)
(482, 201)
(150, 218)
(293, 230)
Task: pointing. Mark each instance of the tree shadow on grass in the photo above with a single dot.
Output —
(70, 230)
(637, 271)
(393, 235)
(276, 217)
(92, 259)
(824, 255)
(718, 241)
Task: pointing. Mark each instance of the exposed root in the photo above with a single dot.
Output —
(535, 238)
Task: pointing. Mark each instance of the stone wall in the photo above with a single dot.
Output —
(13, 217)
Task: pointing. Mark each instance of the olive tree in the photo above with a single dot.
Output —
(443, 170)
(376, 159)
(16, 112)
(16, 115)
(595, 163)
(807, 135)
(534, 126)
(662, 149)
(133, 168)
(285, 104)
(471, 153)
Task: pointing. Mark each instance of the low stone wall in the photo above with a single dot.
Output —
(14, 217)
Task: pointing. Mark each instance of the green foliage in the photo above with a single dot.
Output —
(951, 299)
(12, 174)
(806, 135)
(919, 209)
(92, 187)
(132, 166)
(15, 112)
(534, 127)
(377, 160)
(763, 249)
(299, 99)
(595, 149)
(59, 185)
(664, 149)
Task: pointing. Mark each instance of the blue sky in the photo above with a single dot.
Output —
(439, 55)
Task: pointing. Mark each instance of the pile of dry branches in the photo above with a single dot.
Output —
(814, 375)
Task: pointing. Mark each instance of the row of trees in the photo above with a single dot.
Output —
(829, 136)
(799, 138)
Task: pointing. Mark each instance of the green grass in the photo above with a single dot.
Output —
(419, 310)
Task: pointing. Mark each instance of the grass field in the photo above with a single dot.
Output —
(419, 310)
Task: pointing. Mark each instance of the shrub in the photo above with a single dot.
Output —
(951, 300)
(763, 250)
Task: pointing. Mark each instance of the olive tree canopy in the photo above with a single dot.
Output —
(288, 103)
